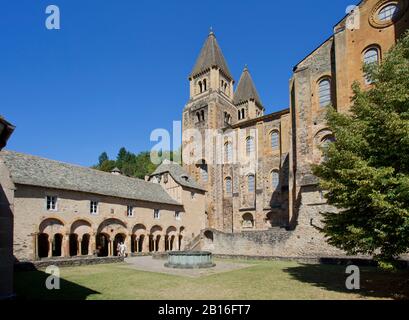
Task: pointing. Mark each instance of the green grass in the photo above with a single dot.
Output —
(262, 280)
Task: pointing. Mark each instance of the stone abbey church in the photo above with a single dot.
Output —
(261, 199)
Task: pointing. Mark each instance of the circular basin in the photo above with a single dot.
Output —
(190, 260)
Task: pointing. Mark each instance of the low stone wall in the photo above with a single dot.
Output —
(276, 242)
(65, 262)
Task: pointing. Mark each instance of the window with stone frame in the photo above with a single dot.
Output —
(51, 203)
(371, 56)
(250, 183)
(249, 146)
(228, 152)
(156, 214)
(324, 92)
(204, 173)
(275, 140)
(228, 185)
(93, 207)
(129, 211)
(275, 180)
(388, 12)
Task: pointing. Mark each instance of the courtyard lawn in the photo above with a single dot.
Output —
(262, 280)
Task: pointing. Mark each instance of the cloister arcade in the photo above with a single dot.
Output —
(56, 238)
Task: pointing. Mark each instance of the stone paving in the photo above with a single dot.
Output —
(157, 265)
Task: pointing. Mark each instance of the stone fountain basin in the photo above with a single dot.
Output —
(190, 260)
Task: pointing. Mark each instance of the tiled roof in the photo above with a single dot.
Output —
(31, 170)
(246, 89)
(178, 174)
(210, 56)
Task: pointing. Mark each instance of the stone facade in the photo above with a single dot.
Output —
(6, 222)
(69, 228)
(273, 218)
(246, 187)
(339, 61)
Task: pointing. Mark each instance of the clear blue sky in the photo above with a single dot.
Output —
(118, 69)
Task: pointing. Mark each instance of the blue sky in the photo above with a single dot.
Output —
(118, 69)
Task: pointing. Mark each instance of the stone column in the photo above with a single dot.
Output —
(50, 247)
(128, 241)
(65, 246)
(110, 246)
(79, 249)
(92, 244)
(176, 243)
(145, 245)
(35, 255)
(136, 245)
(162, 244)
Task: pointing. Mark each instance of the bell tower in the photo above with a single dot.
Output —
(211, 72)
(210, 109)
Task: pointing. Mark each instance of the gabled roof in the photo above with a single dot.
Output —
(211, 56)
(246, 90)
(178, 174)
(35, 171)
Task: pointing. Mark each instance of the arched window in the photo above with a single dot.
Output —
(204, 85)
(200, 87)
(203, 172)
(243, 115)
(371, 56)
(324, 92)
(227, 118)
(274, 140)
(228, 155)
(388, 12)
(250, 183)
(228, 185)
(325, 142)
(275, 179)
(249, 146)
(247, 221)
(198, 116)
(203, 115)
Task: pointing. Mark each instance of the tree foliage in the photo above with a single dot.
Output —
(131, 164)
(366, 168)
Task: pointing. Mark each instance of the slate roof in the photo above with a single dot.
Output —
(178, 174)
(211, 55)
(246, 90)
(35, 171)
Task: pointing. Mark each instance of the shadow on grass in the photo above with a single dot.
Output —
(30, 285)
(374, 282)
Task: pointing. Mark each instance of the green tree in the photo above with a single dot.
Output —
(107, 166)
(102, 158)
(366, 168)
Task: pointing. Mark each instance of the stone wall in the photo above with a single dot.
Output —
(73, 216)
(6, 233)
(275, 242)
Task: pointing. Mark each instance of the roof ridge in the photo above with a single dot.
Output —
(32, 170)
(71, 165)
